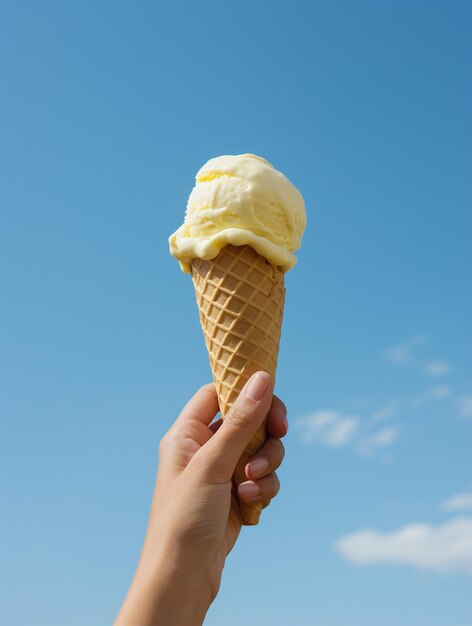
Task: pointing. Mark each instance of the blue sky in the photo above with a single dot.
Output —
(108, 110)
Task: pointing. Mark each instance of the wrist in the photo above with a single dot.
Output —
(181, 583)
(168, 588)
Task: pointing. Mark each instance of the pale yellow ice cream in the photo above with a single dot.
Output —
(241, 200)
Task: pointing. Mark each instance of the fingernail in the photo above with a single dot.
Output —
(282, 415)
(285, 421)
(257, 386)
(257, 467)
(249, 490)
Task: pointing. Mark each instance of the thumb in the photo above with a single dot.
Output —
(239, 426)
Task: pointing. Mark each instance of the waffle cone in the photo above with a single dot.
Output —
(241, 299)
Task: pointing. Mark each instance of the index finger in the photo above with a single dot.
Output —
(202, 407)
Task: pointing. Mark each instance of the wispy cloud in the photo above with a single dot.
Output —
(433, 393)
(465, 406)
(459, 502)
(371, 444)
(441, 391)
(334, 429)
(385, 412)
(402, 352)
(443, 548)
(367, 435)
(436, 367)
(331, 428)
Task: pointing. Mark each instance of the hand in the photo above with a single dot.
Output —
(195, 518)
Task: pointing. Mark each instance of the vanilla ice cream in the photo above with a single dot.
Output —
(241, 200)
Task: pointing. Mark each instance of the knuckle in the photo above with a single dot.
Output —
(270, 487)
(208, 389)
(163, 443)
(278, 401)
(203, 463)
(200, 462)
(206, 468)
(275, 451)
(238, 416)
(279, 448)
(278, 405)
(276, 484)
(167, 442)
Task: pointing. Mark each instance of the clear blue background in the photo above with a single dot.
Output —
(108, 110)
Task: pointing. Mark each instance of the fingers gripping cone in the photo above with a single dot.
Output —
(241, 297)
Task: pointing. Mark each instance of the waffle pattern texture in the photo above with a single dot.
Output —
(241, 300)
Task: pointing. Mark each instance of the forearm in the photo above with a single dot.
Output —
(195, 517)
(170, 593)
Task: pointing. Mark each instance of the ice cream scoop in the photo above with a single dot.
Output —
(241, 200)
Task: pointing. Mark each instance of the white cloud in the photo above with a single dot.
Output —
(330, 428)
(334, 429)
(436, 368)
(459, 502)
(443, 548)
(385, 412)
(441, 391)
(401, 353)
(437, 393)
(379, 440)
(465, 406)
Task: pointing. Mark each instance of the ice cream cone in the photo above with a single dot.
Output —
(244, 222)
(241, 297)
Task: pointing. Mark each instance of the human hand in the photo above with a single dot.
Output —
(195, 517)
